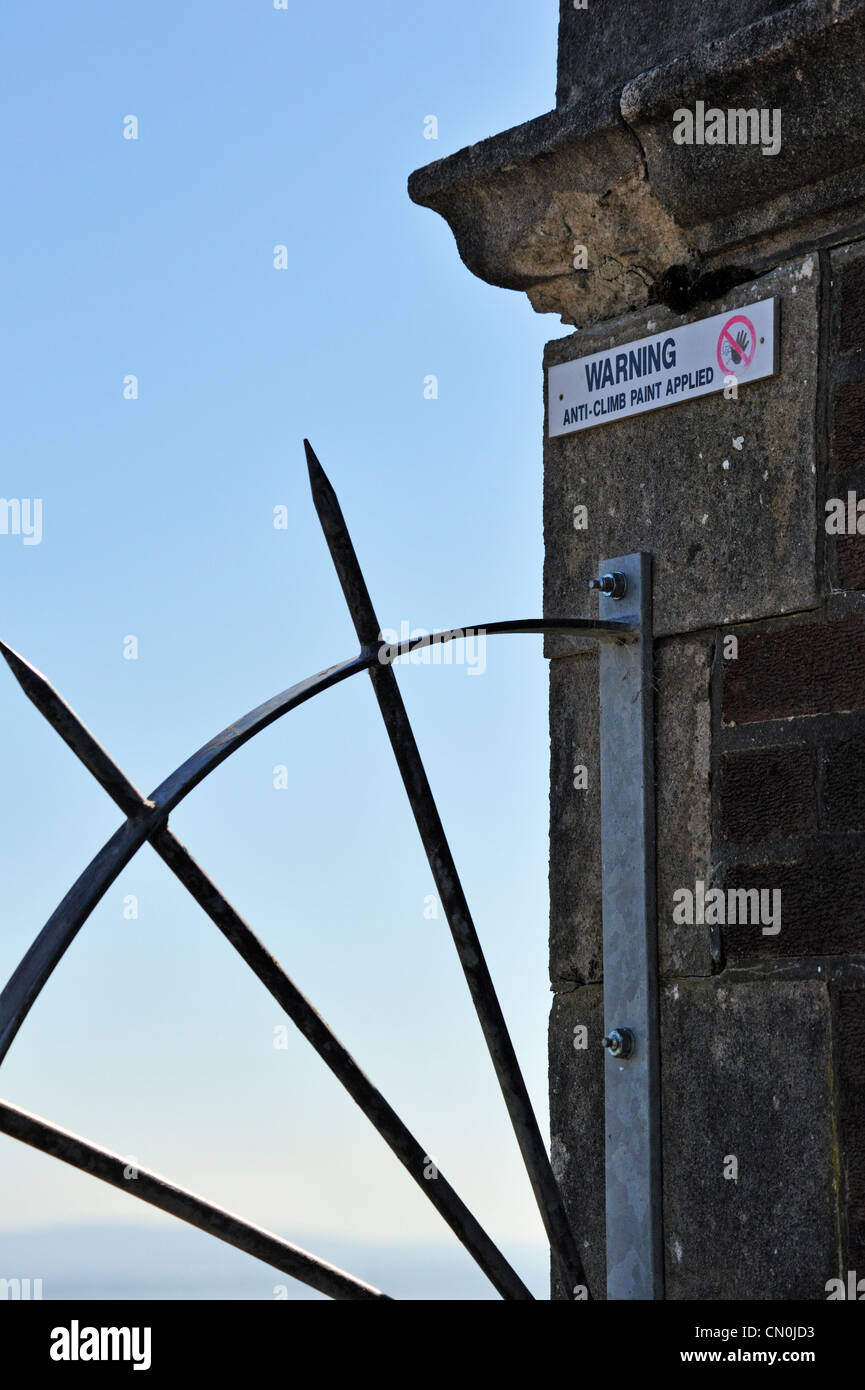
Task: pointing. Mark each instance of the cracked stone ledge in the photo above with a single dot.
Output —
(605, 173)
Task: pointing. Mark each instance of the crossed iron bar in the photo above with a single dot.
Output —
(147, 819)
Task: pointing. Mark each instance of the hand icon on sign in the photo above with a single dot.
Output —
(742, 340)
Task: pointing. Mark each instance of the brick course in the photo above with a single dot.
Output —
(850, 299)
(800, 668)
(767, 793)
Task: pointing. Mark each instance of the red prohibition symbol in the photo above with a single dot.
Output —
(736, 344)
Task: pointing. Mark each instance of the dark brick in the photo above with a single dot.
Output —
(848, 425)
(851, 1077)
(822, 903)
(844, 785)
(804, 668)
(768, 793)
(851, 295)
(851, 561)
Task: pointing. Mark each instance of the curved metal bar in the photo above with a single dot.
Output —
(447, 881)
(69, 916)
(271, 974)
(177, 1201)
(601, 630)
(37, 963)
(146, 814)
(181, 782)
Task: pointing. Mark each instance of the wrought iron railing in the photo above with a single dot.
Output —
(147, 820)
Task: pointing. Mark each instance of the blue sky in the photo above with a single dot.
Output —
(154, 257)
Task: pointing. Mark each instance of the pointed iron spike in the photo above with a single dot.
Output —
(342, 552)
(312, 459)
(447, 880)
(75, 734)
(21, 669)
(317, 475)
(320, 484)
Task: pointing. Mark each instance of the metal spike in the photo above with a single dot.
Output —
(51, 704)
(447, 880)
(342, 551)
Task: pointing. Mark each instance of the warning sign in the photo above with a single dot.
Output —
(677, 365)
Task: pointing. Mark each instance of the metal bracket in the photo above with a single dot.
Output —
(631, 1080)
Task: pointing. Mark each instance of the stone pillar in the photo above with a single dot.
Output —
(759, 599)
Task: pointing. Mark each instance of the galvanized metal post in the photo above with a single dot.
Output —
(631, 1081)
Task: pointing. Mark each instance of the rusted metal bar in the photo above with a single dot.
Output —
(268, 970)
(446, 878)
(177, 1201)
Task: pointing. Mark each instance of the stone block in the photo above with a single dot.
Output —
(851, 1080)
(747, 1076)
(577, 1125)
(683, 797)
(606, 44)
(575, 822)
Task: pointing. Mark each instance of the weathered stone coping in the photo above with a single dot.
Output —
(664, 222)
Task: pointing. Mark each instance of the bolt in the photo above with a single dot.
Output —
(613, 585)
(620, 1042)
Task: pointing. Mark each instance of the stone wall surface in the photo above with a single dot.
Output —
(607, 43)
(760, 762)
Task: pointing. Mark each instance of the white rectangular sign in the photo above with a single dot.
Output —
(668, 367)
